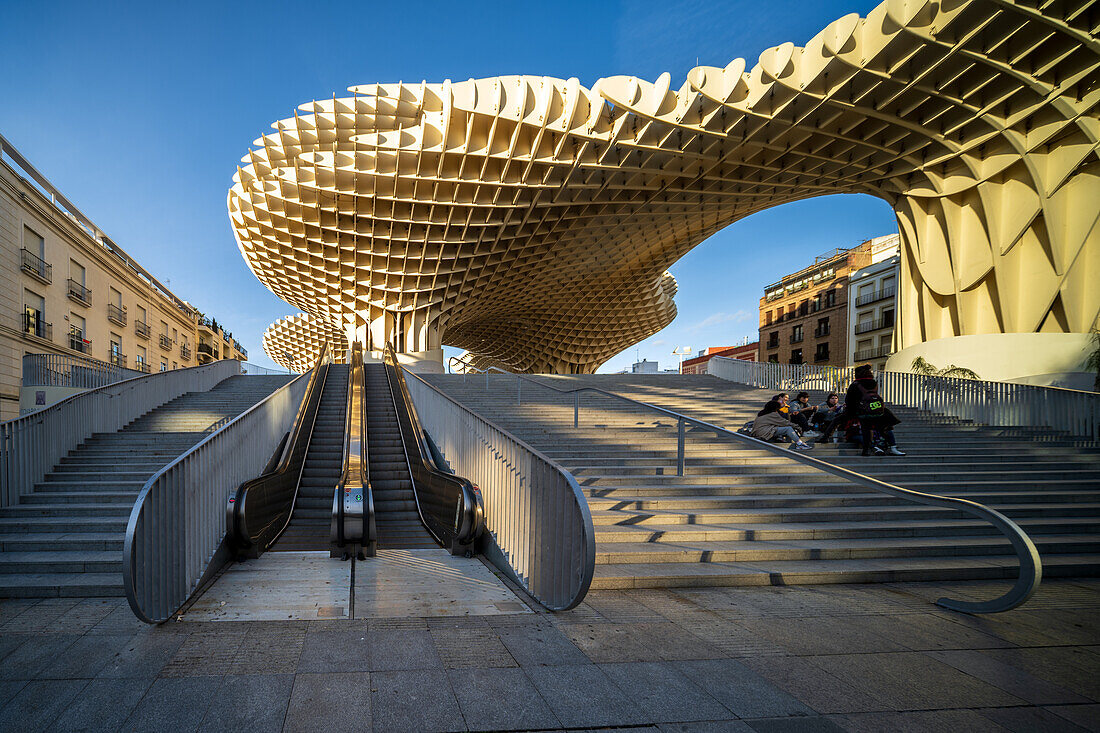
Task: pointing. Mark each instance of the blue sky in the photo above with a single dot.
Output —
(140, 112)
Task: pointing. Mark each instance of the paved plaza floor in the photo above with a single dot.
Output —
(820, 658)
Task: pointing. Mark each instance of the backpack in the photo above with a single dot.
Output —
(870, 404)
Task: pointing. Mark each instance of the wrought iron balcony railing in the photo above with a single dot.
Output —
(116, 314)
(79, 293)
(35, 325)
(35, 266)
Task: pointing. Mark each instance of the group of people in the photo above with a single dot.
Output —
(863, 417)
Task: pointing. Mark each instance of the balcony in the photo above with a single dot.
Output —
(116, 314)
(78, 293)
(117, 359)
(873, 297)
(821, 331)
(77, 342)
(876, 324)
(141, 330)
(208, 350)
(165, 342)
(796, 338)
(872, 353)
(185, 352)
(141, 366)
(33, 325)
(35, 266)
(773, 343)
(821, 356)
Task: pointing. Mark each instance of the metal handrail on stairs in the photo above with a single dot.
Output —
(260, 509)
(175, 537)
(1031, 567)
(538, 525)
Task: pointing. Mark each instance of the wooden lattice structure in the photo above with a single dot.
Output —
(530, 220)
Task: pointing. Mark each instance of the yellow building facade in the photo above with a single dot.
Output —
(67, 289)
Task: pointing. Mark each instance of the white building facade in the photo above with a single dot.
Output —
(872, 304)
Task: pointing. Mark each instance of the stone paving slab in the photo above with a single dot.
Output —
(688, 660)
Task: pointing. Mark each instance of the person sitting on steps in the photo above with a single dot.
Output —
(863, 402)
(802, 412)
(772, 422)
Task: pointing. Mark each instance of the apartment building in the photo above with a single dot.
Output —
(217, 343)
(804, 316)
(67, 289)
(873, 305)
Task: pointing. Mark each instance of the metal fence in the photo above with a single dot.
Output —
(1002, 404)
(178, 521)
(62, 370)
(33, 444)
(535, 513)
(248, 367)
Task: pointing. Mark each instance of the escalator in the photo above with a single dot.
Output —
(310, 522)
(356, 473)
(396, 516)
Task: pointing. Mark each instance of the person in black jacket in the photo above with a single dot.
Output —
(863, 402)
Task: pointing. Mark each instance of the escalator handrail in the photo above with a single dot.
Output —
(237, 534)
(472, 522)
(353, 502)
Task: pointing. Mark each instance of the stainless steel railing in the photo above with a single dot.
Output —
(539, 528)
(175, 536)
(63, 370)
(33, 444)
(1003, 404)
(1031, 568)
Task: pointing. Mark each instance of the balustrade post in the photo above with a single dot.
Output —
(680, 447)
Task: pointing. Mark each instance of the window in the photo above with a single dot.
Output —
(830, 298)
(174, 365)
(164, 327)
(142, 316)
(115, 350)
(141, 357)
(822, 352)
(888, 318)
(773, 339)
(773, 358)
(78, 334)
(163, 365)
(796, 334)
(175, 335)
(34, 243)
(822, 327)
(865, 289)
(34, 314)
(767, 318)
(115, 298)
(796, 356)
(77, 273)
(804, 308)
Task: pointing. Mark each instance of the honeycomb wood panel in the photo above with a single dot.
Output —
(531, 220)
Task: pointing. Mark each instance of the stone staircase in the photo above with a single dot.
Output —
(66, 538)
(742, 515)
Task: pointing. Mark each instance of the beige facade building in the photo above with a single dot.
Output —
(67, 289)
(873, 305)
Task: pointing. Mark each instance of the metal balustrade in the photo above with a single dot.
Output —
(878, 295)
(79, 293)
(1004, 404)
(539, 528)
(141, 329)
(30, 446)
(35, 266)
(116, 314)
(1030, 564)
(175, 536)
(35, 325)
(875, 353)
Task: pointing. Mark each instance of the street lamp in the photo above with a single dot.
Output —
(289, 360)
(681, 352)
